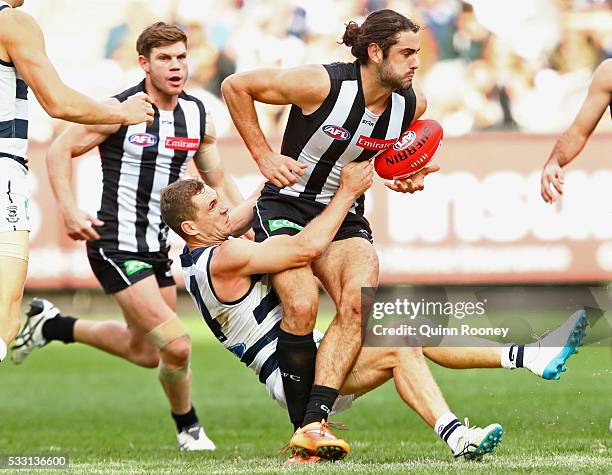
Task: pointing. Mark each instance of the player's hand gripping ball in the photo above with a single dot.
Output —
(413, 151)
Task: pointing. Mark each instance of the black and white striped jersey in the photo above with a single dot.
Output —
(341, 131)
(247, 327)
(13, 111)
(137, 162)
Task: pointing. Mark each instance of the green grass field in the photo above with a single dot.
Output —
(110, 416)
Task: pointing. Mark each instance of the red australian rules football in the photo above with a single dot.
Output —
(413, 151)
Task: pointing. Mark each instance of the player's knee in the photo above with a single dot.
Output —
(301, 310)
(148, 360)
(175, 363)
(177, 353)
(145, 358)
(140, 352)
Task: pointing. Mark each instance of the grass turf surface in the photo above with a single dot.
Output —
(110, 416)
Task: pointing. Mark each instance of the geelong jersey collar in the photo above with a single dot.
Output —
(189, 258)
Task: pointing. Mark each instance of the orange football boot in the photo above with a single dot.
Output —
(317, 439)
(297, 458)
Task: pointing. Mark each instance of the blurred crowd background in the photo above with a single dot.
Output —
(486, 65)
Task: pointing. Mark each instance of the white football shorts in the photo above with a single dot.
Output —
(14, 196)
(276, 390)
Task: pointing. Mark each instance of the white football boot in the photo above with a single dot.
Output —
(30, 336)
(194, 438)
(547, 356)
(476, 442)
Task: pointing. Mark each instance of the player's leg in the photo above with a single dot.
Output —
(117, 338)
(13, 271)
(545, 357)
(407, 367)
(346, 267)
(296, 351)
(146, 308)
(418, 389)
(465, 357)
(14, 248)
(126, 340)
(45, 323)
(299, 294)
(179, 393)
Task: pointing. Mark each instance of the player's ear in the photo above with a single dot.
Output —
(144, 63)
(375, 53)
(189, 228)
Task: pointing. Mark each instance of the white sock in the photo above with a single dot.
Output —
(449, 429)
(519, 356)
(512, 356)
(530, 353)
(3, 350)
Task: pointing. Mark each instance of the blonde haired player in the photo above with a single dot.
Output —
(231, 285)
(23, 64)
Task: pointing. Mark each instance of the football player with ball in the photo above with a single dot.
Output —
(341, 113)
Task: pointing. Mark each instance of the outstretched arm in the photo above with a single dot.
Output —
(573, 140)
(24, 42)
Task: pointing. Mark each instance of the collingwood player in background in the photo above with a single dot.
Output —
(127, 245)
(23, 63)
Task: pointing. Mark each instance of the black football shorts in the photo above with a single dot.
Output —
(117, 270)
(277, 214)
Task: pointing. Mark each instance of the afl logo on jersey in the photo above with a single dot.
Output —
(404, 141)
(143, 140)
(336, 132)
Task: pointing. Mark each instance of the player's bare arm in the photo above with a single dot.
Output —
(210, 167)
(573, 140)
(74, 142)
(306, 87)
(416, 181)
(241, 216)
(24, 43)
(238, 259)
(421, 104)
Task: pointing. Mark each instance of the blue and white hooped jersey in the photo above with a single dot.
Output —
(248, 327)
(13, 111)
